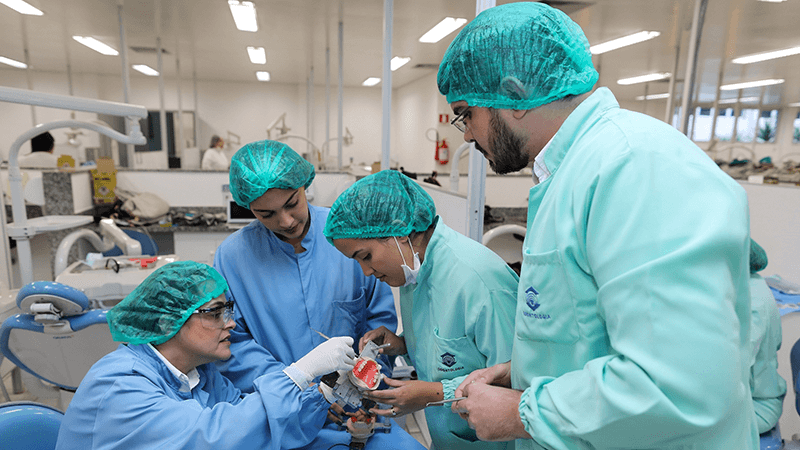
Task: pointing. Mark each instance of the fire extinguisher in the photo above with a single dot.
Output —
(442, 152)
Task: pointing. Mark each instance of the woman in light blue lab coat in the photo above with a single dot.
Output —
(633, 310)
(162, 390)
(457, 298)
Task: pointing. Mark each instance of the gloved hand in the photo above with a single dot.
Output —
(334, 354)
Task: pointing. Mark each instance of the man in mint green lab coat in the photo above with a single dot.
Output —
(633, 311)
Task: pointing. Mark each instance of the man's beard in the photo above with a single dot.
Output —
(507, 148)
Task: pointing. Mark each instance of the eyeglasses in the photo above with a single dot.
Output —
(216, 317)
(459, 122)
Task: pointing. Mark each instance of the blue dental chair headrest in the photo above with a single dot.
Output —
(66, 299)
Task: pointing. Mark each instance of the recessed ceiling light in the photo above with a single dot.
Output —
(22, 7)
(262, 76)
(13, 63)
(398, 62)
(96, 45)
(758, 57)
(623, 42)
(738, 100)
(244, 15)
(257, 55)
(644, 78)
(653, 96)
(371, 81)
(750, 84)
(145, 69)
(442, 29)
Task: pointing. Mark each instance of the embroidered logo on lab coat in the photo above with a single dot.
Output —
(449, 360)
(532, 300)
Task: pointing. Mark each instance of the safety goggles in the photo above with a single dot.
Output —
(216, 317)
(459, 122)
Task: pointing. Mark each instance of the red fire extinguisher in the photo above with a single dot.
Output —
(442, 152)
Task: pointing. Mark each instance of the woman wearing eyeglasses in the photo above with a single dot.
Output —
(161, 389)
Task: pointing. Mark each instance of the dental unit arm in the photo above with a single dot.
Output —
(111, 235)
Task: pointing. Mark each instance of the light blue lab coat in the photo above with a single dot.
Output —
(281, 297)
(457, 318)
(767, 386)
(131, 400)
(633, 310)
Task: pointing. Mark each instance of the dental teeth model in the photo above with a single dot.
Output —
(366, 374)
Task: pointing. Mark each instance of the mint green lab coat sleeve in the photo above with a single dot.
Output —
(767, 386)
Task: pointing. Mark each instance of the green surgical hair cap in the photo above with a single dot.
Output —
(263, 165)
(162, 303)
(380, 205)
(758, 257)
(517, 56)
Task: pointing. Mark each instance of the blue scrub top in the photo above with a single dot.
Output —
(281, 297)
(130, 399)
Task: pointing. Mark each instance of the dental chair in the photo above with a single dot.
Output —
(29, 426)
(57, 338)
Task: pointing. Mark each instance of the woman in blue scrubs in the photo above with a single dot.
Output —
(457, 297)
(289, 283)
(162, 390)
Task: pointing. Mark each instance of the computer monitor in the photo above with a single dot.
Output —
(237, 214)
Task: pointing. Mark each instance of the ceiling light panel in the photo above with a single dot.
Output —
(623, 42)
(758, 57)
(644, 78)
(750, 84)
(22, 7)
(96, 45)
(398, 62)
(727, 101)
(653, 96)
(257, 55)
(145, 69)
(244, 15)
(442, 29)
(371, 81)
(13, 63)
(262, 76)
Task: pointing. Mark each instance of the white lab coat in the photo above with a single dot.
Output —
(215, 159)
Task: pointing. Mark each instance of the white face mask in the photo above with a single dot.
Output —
(411, 274)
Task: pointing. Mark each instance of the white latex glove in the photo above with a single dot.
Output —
(334, 354)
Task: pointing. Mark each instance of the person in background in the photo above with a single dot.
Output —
(767, 387)
(633, 313)
(214, 158)
(289, 283)
(457, 297)
(162, 390)
(41, 156)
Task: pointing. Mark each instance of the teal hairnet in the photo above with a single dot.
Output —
(517, 56)
(758, 257)
(383, 204)
(263, 165)
(162, 303)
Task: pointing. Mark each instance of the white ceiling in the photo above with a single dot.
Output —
(296, 34)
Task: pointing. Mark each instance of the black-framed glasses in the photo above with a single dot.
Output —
(217, 316)
(459, 122)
